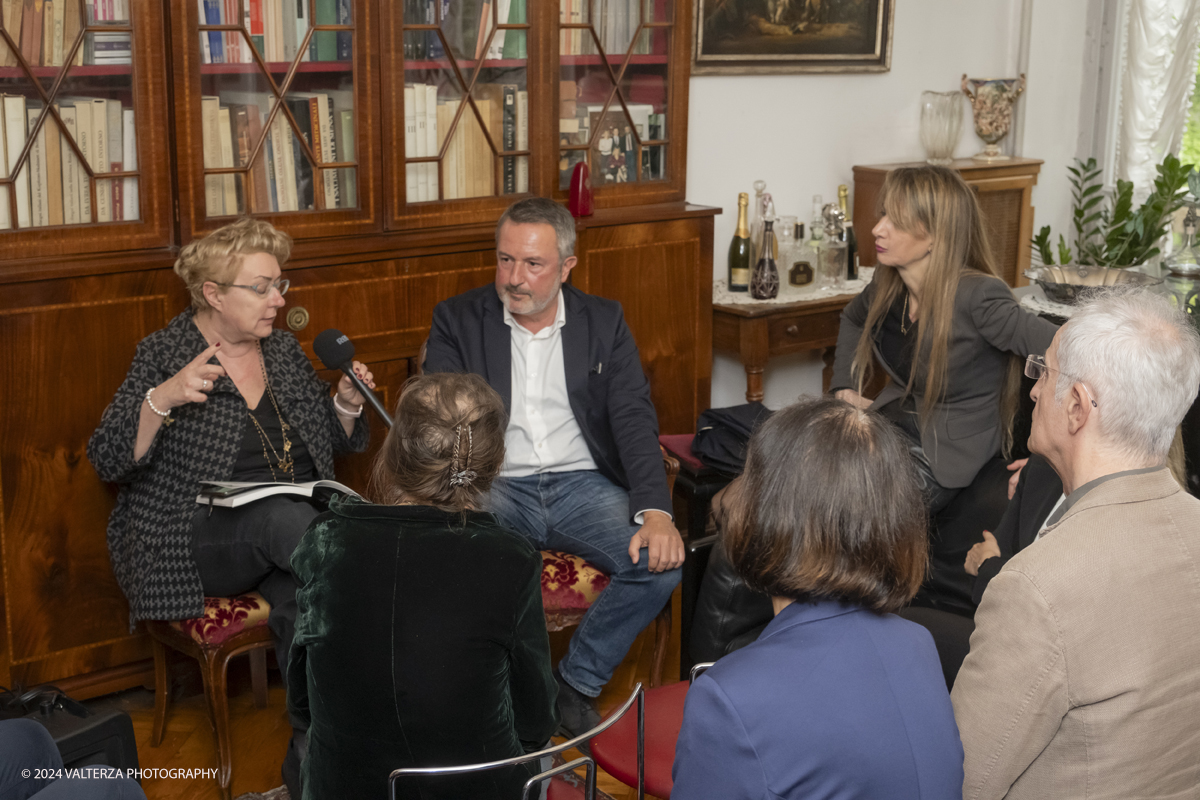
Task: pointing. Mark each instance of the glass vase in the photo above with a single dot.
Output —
(941, 125)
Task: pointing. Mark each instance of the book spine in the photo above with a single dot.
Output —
(228, 181)
(130, 208)
(214, 199)
(272, 185)
(430, 170)
(522, 170)
(345, 39)
(54, 172)
(70, 168)
(510, 136)
(101, 163)
(262, 190)
(254, 9)
(39, 186)
(347, 145)
(216, 44)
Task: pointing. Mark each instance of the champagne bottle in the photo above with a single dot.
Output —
(848, 234)
(739, 250)
(764, 283)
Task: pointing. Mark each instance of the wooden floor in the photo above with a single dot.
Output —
(260, 736)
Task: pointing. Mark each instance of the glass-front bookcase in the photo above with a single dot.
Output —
(466, 99)
(614, 62)
(72, 123)
(272, 122)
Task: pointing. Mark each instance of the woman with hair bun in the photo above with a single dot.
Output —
(421, 640)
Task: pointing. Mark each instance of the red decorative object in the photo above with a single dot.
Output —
(581, 203)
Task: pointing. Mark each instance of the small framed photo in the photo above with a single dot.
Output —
(762, 37)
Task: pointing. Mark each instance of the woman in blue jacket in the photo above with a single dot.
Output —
(838, 698)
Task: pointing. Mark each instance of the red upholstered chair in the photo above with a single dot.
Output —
(615, 749)
(570, 585)
(230, 626)
(564, 784)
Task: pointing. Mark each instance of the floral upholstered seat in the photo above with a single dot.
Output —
(225, 617)
(569, 586)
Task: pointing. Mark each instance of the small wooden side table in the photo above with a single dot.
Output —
(756, 331)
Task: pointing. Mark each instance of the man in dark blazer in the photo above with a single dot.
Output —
(583, 471)
(1038, 492)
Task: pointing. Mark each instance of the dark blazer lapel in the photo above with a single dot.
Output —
(497, 347)
(576, 334)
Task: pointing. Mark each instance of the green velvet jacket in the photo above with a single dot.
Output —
(420, 642)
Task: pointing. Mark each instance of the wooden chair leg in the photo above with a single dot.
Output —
(214, 668)
(662, 636)
(162, 691)
(258, 676)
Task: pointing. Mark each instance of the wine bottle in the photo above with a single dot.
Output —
(848, 234)
(764, 282)
(739, 250)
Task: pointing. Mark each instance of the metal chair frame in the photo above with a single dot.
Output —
(638, 696)
(697, 670)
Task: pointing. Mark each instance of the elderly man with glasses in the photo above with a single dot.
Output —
(1082, 678)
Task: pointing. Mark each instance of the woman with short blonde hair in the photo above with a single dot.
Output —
(221, 394)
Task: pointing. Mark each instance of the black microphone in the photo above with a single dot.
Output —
(336, 351)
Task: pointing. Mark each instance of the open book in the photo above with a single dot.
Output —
(233, 494)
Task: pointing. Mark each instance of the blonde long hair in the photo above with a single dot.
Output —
(935, 202)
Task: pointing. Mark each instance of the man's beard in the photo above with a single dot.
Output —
(510, 297)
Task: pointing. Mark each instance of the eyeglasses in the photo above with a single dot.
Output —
(262, 289)
(1035, 367)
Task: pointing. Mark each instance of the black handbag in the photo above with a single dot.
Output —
(722, 435)
(83, 738)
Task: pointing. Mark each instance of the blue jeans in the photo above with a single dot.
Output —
(28, 754)
(585, 514)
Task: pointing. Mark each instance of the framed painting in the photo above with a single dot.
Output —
(760, 37)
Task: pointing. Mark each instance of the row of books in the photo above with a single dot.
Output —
(53, 185)
(282, 176)
(277, 29)
(468, 167)
(615, 23)
(45, 30)
(466, 26)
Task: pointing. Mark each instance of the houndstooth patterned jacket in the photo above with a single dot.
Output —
(150, 531)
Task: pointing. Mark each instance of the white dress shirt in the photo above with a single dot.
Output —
(543, 435)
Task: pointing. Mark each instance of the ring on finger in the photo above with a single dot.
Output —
(204, 384)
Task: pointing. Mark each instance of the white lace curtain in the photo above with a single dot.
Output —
(1161, 45)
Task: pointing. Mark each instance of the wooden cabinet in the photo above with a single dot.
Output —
(1005, 191)
(84, 153)
(368, 258)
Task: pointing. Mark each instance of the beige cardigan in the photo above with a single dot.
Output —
(1083, 678)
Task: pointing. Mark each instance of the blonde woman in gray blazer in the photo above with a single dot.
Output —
(942, 325)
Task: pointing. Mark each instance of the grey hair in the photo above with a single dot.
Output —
(1140, 357)
(542, 211)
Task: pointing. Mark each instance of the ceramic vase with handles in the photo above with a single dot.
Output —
(992, 100)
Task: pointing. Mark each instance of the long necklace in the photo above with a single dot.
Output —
(285, 463)
(904, 322)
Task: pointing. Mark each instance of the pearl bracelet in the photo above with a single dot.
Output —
(345, 412)
(163, 414)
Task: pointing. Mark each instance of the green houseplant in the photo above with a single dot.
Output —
(1116, 235)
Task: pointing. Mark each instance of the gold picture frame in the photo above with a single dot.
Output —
(779, 37)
